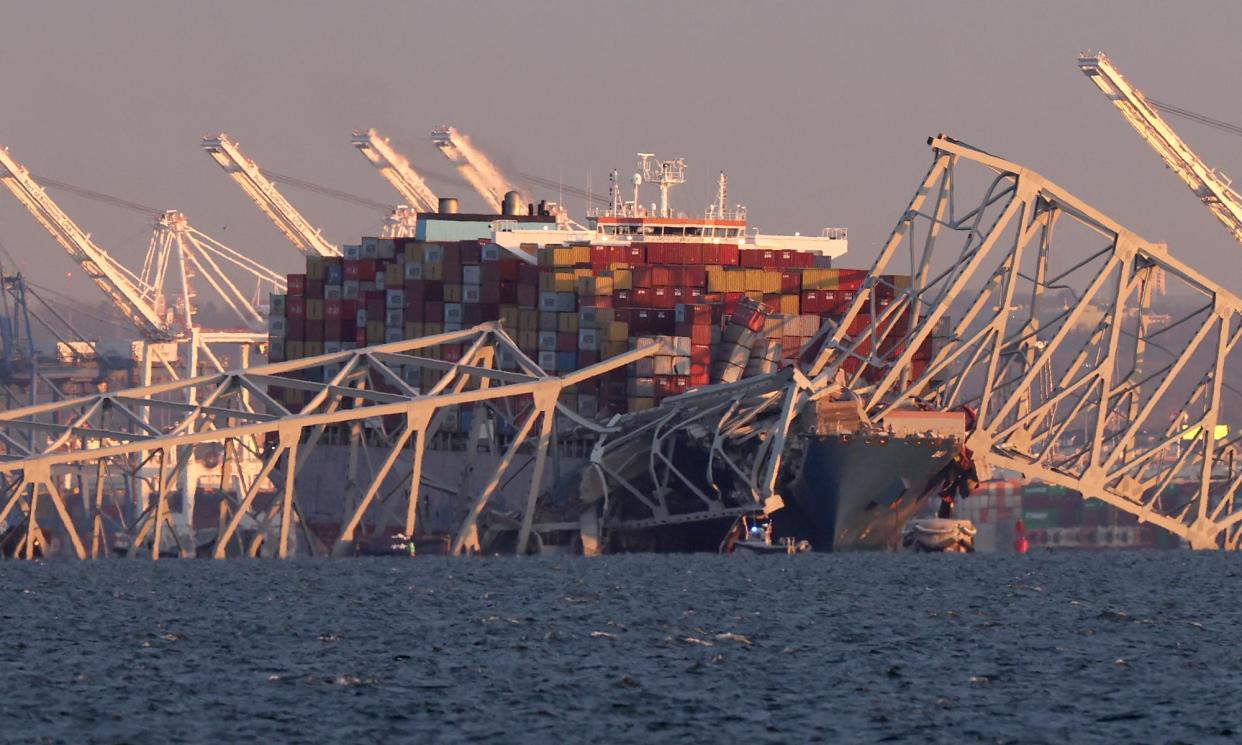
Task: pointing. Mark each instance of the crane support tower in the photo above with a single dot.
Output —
(1206, 183)
(475, 167)
(121, 287)
(396, 169)
(288, 220)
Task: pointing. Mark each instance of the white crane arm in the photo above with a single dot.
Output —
(264, 193)
(396, 169)
(1222, 200)
(474, 166)
(98, 265)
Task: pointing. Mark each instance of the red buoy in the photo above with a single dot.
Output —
(1020, 544)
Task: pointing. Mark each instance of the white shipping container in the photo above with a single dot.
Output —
(277, 324)
(433, 253)
(470, 293)
(588, 339)
(548, 301)
(350, 289)
(491, 252)
(413, 270)
(386, 248)
(370, 248)
(393, 334)
(663, 364)
(360, 318)
(547, 341)
(547, 361)
(394, 317)
(331, 347)
(352, 251)
(453, 313)
(394, 299)
(472, 274)
(276, 303)
(331, 292)
(681, 365)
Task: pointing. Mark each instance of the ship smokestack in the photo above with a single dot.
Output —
(448, 206)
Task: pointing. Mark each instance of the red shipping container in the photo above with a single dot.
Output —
(680, 295)
(680, 384)
(295, 329)
(489, 293)
(433, 310)
(694, 313)
(699, 376)
(527, 274)
(641, 297)
(376, 304)
(295, 307)
(507, 293)
(332, 310)
(313, 331)
(641, 277)
(472, 314)
(663, 386)
(587, 357)
(314, 289)
(710, 253)
(785, 259)
(450, 352)
(489, 272)
(635, 255)
(452, 274)
(698, 333)
(694, 254)
(415, 292)
(360, 337)
(791, 283)
(694, 276)
(662, 297)
(812, 302)
(701, 354)
(360, 269)
(730, 254)
(566, 341)
(661, 276)
(509, 270)
(471, 252)
(730, 302)
(598, 301)
(295, 285)
(617, 255)
(600, 255)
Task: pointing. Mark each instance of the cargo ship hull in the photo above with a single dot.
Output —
(856, 493)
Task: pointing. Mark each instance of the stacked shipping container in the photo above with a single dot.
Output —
(721, 313)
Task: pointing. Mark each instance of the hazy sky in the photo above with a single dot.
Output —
(818, 111)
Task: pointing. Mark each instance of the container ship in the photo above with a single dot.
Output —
(726, 303)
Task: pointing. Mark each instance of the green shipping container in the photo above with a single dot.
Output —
(1041, 518)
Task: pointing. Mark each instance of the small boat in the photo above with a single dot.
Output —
(753, 536)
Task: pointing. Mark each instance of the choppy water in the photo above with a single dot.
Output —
(1127, 647)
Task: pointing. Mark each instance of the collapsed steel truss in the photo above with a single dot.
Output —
(1094, 361)
(1076, 365)
(149, 434)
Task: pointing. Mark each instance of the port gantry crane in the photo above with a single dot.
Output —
(177, 253)
(1211, 189)
(396, 169)
(475, 167)
(287, 219)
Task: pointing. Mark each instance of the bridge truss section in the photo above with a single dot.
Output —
(1089, 357)
(63, 461)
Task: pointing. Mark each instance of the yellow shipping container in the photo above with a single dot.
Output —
(820, 278)
(736, 280)
(431, 328)
(755, 295)
(772, 281)
(314, 309)
(316, 267)
(622, 279)
(375, 332)
(394, 275)
(414, 252)
(717, 280)
(613, 348)
(789, 305)
(413, 329)
(565, 282)
(562, 256)
(314, 348)
(510, 317)
(567, 322)
(641, 403)
(452, 293)
(581, 254)
(295, 349)
(618, 331)
(753, 280)
(528, 319)
(433, 271)
(528, 339)
(547, 282)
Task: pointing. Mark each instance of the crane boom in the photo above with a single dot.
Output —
(1207, 185)
(396, 169)
(474, 166)
(98, 265)
(264, 193)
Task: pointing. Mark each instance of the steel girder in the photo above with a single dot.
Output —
(1089, 357)
(148, 434)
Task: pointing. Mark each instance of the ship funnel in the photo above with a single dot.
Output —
(448, 206)
(512, 204)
